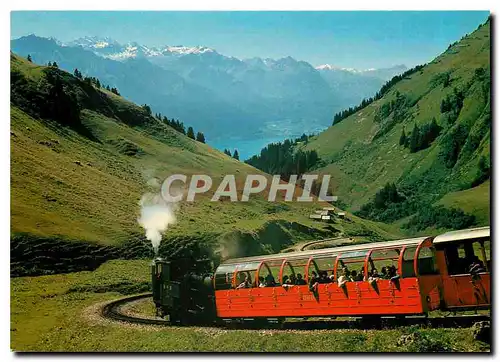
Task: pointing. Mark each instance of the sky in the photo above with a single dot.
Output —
(361, 40)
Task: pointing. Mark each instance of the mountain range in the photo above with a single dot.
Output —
(214, 92)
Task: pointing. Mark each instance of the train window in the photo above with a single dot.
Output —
(269, 273)
(384, 262)
(352, 264)
(224, 277)
(487, 250)
(487, 253)
(299, 267)
(427, 261)
(408, 269)
(455, 258)
(289, 275)
(246, 271)
(482, 250)
(461, 256)
(325, 264)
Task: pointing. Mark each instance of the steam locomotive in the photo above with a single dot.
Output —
(449, 272)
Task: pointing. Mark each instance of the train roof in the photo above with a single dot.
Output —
(476, 233)
(326, 251)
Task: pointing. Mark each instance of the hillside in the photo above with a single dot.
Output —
(443, 157)
(82, 157)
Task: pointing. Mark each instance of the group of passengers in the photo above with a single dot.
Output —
(387, 272)
(269, 281)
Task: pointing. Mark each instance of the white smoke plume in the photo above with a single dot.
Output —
(156, 216)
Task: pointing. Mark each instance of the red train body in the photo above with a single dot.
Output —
(432, 273)
(448, 272)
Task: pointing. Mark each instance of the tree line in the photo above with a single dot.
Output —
(340, 116)
(176, 125)
(235, 154)
(451, 106)
(383, 200)
(420, 137)
(89, 80)
(389, 205)
(282, 158)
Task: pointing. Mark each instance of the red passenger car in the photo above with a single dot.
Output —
(402, 277)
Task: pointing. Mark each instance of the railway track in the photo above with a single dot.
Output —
(112, 310)
(306, 245)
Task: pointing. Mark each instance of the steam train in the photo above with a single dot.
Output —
(448, 272)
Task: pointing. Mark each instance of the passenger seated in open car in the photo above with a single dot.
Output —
(391, 271)
(477, 266)
(383, 273)
(356, 277)
(262, 283)
(286, 282)
(269, 281)
(313, 280)
(323, 277)
(247, 283)
(300, 280)
(373, 276)
(344, 278)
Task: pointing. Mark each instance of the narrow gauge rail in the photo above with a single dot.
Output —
(111, 310)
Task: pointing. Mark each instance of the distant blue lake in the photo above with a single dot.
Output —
(272, 132)
(246, 147)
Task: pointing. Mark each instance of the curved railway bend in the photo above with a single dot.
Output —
(113, 311)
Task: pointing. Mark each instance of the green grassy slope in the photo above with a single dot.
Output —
(83, 181)
(475, 201)
(363, 154)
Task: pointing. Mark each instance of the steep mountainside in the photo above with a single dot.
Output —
(429, 135)
(82, 157)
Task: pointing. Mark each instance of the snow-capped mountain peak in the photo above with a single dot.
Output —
(326, 67)
(109, 48)
(383, 73)
(334, 67)
(93, 42)
(180, 49)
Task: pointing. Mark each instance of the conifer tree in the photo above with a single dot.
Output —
(190, 133)
(415, 139)
(77, 73)
(402, 139)
(200, 137)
